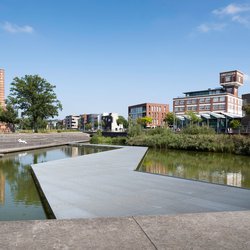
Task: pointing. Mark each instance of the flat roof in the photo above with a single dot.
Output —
(205, 90)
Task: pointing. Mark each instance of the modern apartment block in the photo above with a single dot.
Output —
(156, 111)
(217, 100)
(2, 103)
(71, 121)
(109, 122)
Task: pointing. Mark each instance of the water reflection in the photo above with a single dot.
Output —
(19, 199)
(225, 169)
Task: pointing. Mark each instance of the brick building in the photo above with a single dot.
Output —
(156, 111)
(217, 100)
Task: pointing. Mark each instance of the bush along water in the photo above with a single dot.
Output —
(191, 138)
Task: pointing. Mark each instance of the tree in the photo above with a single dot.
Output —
(234, 124)
(88, 126)
(35, 97)
(9, 115)
(144, 121)
(193, 117)
(123, 121)
(170, 118)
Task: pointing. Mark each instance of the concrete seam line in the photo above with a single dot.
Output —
(144, 232)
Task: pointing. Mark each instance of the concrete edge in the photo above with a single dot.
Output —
(14, 150)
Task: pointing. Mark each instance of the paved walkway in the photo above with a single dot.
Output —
(106, 185)
(12, 143)
(229, 230)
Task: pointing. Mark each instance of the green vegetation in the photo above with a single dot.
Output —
(123, 121)
(235, 124)
(191, 138)
(144, 121)
(9, 115)
(35, 98)
(170, 119)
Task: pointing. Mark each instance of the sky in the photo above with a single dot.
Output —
(104, 55)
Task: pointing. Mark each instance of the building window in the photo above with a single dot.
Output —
(202, 100)
(216, 99)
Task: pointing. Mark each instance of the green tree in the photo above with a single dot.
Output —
(123, 121)
(88, 126)
(234, 124)
(194, 119)
(170, 119)
(9, 115)
(144, 121)
(35, 97)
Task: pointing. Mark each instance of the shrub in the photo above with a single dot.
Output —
(195, 130)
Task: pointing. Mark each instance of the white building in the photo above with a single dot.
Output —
(71, 121)
(109, 122)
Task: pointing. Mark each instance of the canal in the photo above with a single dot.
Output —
(226, 169)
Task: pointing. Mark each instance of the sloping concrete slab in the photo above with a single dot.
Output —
(106, 185)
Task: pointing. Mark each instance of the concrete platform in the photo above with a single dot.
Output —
(106, 185)
(10, 143)
(228, 230)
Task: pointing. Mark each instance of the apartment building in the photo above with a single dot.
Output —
(2, 103)
(109, 122)
(71, 121)
(156, 111)
(218, 100)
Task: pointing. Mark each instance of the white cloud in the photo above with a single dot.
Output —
(241, 20)
(232, 9)
(207, 27)
(13, 28)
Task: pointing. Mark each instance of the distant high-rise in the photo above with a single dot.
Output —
(2, 103)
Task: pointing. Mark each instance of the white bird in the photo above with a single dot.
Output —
(22, 141)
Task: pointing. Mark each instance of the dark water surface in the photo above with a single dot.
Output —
(19, 199)
(227, 169)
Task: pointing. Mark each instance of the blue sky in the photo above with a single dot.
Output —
(104, 55)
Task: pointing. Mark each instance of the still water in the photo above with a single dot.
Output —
(232, 170)
(19, 199)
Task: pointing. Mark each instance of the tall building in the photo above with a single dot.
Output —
(2, 103)
(156, 111)
(217, 100)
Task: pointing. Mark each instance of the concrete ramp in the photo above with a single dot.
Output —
(106, 185)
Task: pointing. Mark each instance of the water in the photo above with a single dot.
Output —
(19, 199)
(232, 170)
